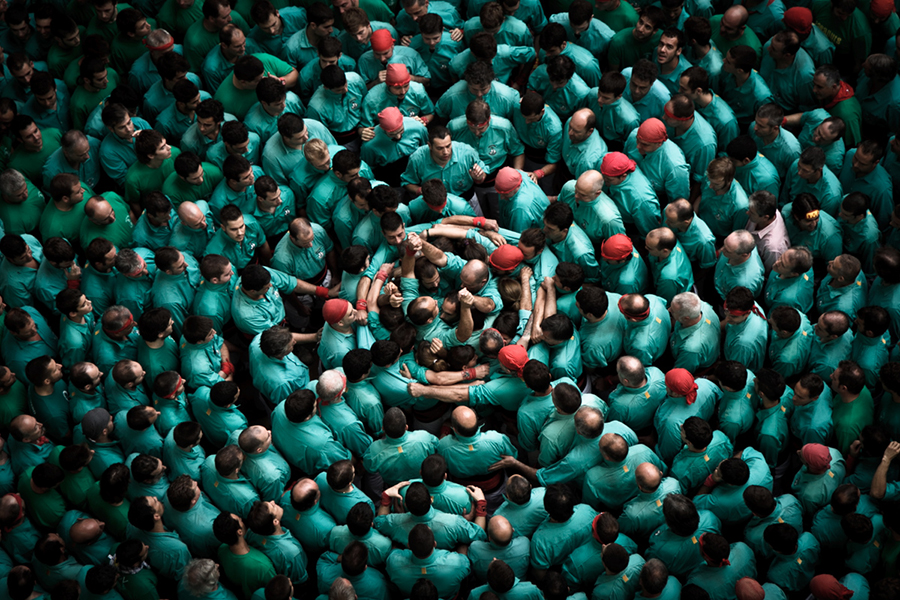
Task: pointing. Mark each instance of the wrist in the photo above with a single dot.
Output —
(321, 292)
(481, 508)
(539, 173)
(381, 276)
(479, 221)
(361, 305)
(385, 499)
(410, 251)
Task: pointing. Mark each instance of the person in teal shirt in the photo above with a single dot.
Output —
(582, 146)
(860, 230)
(224, 484)
(283, 154)
(631, 191)
(675, 410)
(504, 58)
(445, 569)
(690, 132)
(307, 444)
(184, 455)
(844, 288)
(752, 170)
(816, 230)
(661, 160)
(413, 11)
(703, 450)
(240, 239)
(455, 164)
(568, 241)
(629, 45)
(746, 333)
(216, 411)
(384, 456)
(19, 346)
(204, 356)
(725, 565)
(795, 556)
(611, 484)
(871, 347)
(731, 477)
(774, 141)
(275, 369)
(693, 233)
(560, 85)
(637, 397)
(862, 173)
(255, 310)
(616, 117)
(478, 77)
(696, 332)
(493, 137)
(739, 265)
(788, 69)
(647, 326)
(673, 543)
(771, 427)
(594, 211)
(304, 516)
(669, 264)
(741, 86)
(437, 48)
(642, 515)
(337, 103)
(76, 327)
(832, 342)
(809, 174)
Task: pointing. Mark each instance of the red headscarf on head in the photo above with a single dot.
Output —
(594, 524)
(616, 164)
(881, 8)
(681, 382)
(390, 119)
(506, 257)
(826, 587)
(817, 458)
(397, 75)
(508, 179)
(334, 310)
(514, 358)
(799, 19)
(652, 131)
(381, 40)
(616, 247)
(749, 589)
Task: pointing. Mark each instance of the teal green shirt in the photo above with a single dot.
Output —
(750, 274)
(631, 277)
(339, 113)
(552, 543)
(665, 168)
(449, 530)
(681, 554)
(636, 406)
(697, 347)
(794, 571)
(673, 412)
(746, 342)
(502, 99)
(445, 569)
(647, 339)
(643, 514)
(782, 152)
(787, 510)
(309, 445)
(454, 175)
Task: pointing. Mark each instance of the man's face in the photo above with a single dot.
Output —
(441, 149)
(321, 164)
(554, 233)
(805, 224)
(432, 40)
(848, 217)
(180, 265)
(753, 215)
(384, 56)
(80, 152)
(247, 178)
(667, 50)
(46, 101)
(397, 134)
(125, 129)
(343, 5)
(109, 259)
(730, 252)
(643, 30)
(431, 283)
(100, 80)
(195, 178)
(21, 31)
(396, 237)
(528, 252)
(776, 50)
(270, 200)
(805, 171)
(604, 99)
(24, 75)
(578, 130)
(684, 87)
(783, 265)
(71, 40)
(765, 128)
(325, 62)
(338, 91)
(833, 267)
(730, 29)
(104, 214)
(159, 219)
(163, 151)
(142, 29)
(717, 184)
(19, 197)
(349, 175)
(822, 90)
(42, 26)
(207, 126)
(479, 91)
(418, 10)
(646, 148)
(304, 239)
(639, 88)
(802, 396)
(863, 163)
(223, 18)
(238, 149)
(192, 104)
(28, 331)
(654, 250)
(271, 27)
(361, 34)
(820, 329)
(398, 91)
(478, 129)
(238, 45)
(535, 118)
(824, 134)
(106, 13)
(326, 28)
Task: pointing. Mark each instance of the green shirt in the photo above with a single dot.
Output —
(750, 274)
(673, 412)
(454, 175)
(23, 217)
(647, 339)
(643, 514)
(445, 569)
(745, 342)
(378, 545)
(851, 417)
(553, 542)
(193, 525)
(449, 530)
(665, 168)
(141, 178)
(29, 163)
(697, 347)
(309, 445)
(44, 510)
(672, 275)
(199, 41)
(636, 200)
(251, 571)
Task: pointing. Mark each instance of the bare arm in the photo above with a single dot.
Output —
(525, 279)
(550, 298)
(466, 325)
(879, 480)
(514, 464)
(452, 394)
(434, 255)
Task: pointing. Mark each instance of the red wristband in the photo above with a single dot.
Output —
(381, 276)
(385, 499)
(468, 374)
(410, 251)
(709, 481)
(539, 173)
(73, 284)
(361, 305)
(321, 292)
(227, 367)
(784, 122)
(479, 221)
(481, 508)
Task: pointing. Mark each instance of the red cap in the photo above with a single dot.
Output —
(681, 382)
(508, 179)
(616, 247)
(506, 258)
(616, 164)
(826, 587)
(817, 458)
(652, 131)
(799, 19)
(381, 40)
(881, 8)
(514, 358)
(397, 75)
(334, 310)
(390, 119)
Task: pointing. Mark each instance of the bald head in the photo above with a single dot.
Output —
(590, 183)
(85, 531)
(631, 372)
(191, 215)
(464, 420)
(500, 531)
(474, 275)
(648, 477)
(253, 439)
(736, 17)
(588, 422)
(613, 447)
(582, 117)
(303, 490)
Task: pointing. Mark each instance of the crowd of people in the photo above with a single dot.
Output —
(446, 299)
